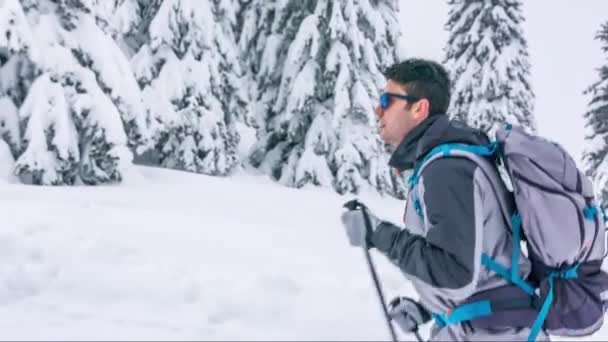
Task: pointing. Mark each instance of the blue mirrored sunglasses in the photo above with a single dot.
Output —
(385, 99)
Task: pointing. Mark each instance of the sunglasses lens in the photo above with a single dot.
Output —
(384, 101)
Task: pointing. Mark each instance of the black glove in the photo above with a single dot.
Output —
(358, 231)
(408, 314)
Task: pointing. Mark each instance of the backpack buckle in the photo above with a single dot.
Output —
(569, 273)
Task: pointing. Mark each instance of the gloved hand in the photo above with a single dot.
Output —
(408, 314)
(358, 232)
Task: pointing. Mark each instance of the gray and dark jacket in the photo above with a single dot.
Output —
(440, 251)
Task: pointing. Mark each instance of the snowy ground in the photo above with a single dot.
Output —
(184, 256)
(177, 256)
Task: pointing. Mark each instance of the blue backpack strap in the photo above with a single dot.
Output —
(504, 272)
(445, 150)
(590, 211)
(515, 226)
(464, 313)
(513, 274)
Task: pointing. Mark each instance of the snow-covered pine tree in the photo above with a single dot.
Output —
(236, 81)
(9, 124)
(81, 97)
(15, 70)
(317, 69)
(595, 154)
(254, 20)
(487, 56)
(115, 78)
(131, 22)
(191, 79)
(9, 138)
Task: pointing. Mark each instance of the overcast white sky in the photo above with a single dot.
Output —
(563, 54)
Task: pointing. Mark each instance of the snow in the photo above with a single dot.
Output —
(304, 82)
(169, 84)
(9, 74)
(271, 51)
(374, 19)
(46, 107)
(126, 16)
(16, 36)
(7, 164)
(337, 62)
(247, 140)
(215, 258)
(363, 103)
(298, 60)
(9, 122)
(337, 26)
(112, 69)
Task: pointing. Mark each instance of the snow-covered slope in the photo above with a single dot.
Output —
(184, 256)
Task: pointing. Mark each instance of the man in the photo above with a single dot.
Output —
(452, 215)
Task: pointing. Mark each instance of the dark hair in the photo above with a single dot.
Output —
(423, 79)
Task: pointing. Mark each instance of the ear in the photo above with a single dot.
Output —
(421, 110)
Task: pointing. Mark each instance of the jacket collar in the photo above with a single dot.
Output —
(414, 145)
(433, 131)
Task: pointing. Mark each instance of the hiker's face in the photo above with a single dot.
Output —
(400, 116)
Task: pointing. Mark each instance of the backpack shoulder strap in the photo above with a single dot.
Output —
(477, 154)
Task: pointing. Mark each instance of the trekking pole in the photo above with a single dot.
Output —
(418, 337)
(354, 205)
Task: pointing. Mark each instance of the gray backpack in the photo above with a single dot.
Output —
(562, 226)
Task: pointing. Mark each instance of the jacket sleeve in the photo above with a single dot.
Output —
(445, 257)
